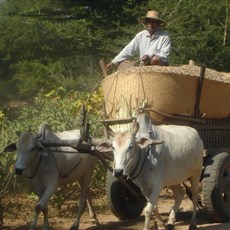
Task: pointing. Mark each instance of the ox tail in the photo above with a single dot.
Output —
(200, 203)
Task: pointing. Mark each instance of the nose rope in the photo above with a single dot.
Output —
(129, 163)
(35, 172)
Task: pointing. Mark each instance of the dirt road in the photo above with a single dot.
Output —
(109, 222)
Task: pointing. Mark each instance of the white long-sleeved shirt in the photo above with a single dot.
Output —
(158, 44)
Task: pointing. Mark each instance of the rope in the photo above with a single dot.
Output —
(142, 165)
(142, 83)
(70, 171)
(94, 89)
(115, 88)
(35, 172)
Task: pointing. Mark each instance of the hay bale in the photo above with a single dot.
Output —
(169, 89)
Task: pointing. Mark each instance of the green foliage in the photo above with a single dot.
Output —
(197, 32)
(60, 108)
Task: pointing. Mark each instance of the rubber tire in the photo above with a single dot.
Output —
(216, 173)
(123, 204)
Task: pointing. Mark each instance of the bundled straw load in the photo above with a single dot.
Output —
(172, 90)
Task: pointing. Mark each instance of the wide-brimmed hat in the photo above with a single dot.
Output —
(152, 14)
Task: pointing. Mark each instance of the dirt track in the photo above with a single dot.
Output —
(109, 221)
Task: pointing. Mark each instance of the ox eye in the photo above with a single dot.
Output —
(32, 149)
(112, 147)
(130, 146)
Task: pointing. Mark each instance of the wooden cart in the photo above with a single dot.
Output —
(186, 95)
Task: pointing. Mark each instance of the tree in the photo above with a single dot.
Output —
(45, 44)
(197, 32)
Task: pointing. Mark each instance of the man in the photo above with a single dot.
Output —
(153, 43)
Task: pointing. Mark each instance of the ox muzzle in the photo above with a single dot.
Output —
(18, 171)
(119, 173)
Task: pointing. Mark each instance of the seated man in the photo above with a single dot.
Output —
(153, 43)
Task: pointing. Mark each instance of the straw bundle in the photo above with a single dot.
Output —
(171, 90)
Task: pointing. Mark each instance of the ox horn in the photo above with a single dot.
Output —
(109, 130)
(135, 127)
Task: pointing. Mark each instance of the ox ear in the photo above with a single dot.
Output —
(143, 142)
(104, 146)
(10, 148)
(18, 133)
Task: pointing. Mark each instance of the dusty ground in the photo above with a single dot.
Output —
(20, 213)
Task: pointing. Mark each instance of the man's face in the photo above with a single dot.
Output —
(151, 25)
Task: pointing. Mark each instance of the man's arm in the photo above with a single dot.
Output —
(129, 50)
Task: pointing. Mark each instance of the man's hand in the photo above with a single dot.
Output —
(145, 60)
(109, 66)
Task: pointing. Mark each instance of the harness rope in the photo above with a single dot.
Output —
(35, 172)
(70, 171)
(131, 175)
(56, 163)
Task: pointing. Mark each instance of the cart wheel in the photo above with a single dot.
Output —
(123, 204)
(216, 186)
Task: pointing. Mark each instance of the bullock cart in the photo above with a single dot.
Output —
(183, 95)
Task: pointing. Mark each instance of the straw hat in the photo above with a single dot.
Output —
(152, 14)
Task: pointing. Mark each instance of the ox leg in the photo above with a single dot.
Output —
(34, 222)
(148, 212)
(151, 206)
(46, 220)
(195, 181)
(42, 207)
(38, 210)
(84, 193)
(179, 195)
(92, 214)
(160, 221)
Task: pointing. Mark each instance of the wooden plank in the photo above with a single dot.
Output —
(176, 117)
(117, 121)
(199, 91)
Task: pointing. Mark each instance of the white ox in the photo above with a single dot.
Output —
(171, 156)
(47, 170)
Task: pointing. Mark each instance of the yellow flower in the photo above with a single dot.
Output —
(50, 93)
(1, 114)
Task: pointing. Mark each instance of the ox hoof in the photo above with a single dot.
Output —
(73, 228)
(94, 221)
(193, 227)
(169, 226)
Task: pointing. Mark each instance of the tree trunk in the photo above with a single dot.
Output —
(225, 24)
